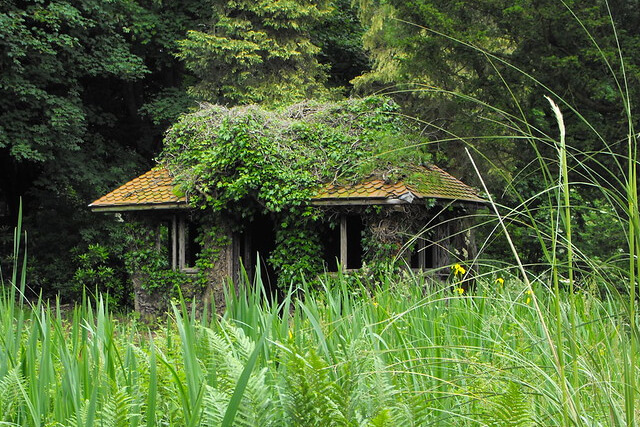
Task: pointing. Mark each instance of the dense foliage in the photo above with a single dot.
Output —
(252, 52)
(248, 161)
(87, 89)
(477, 73)
(220, 156)
(75, 76)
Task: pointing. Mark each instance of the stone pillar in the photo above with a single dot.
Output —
(148, 304)
(222, 271)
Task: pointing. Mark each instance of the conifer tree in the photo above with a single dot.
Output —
(257, 52)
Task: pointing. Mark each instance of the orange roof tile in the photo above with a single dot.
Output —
(374, 189)
(433, 183)
(152, 190)
(155, 190)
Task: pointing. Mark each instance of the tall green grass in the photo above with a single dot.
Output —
(549, 216)
(409, 352)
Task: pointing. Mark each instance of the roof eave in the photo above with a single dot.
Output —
(355, 201)
(139, 207)
(366, 201)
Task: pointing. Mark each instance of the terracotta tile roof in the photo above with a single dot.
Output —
(433, 183)
(155, 190)
(374, 189)
(152, 190)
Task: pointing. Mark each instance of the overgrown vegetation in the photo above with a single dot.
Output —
(88, 89)
(547, 337)
(405, 354)
(250, 161)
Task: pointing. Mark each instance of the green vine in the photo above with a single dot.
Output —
(248, 161)
(296, 254)
(152, 263)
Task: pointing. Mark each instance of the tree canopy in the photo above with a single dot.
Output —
(88, 88)
(253, 52)
(471, 65)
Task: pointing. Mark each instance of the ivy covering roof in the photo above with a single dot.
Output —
(248, 158)
(155, 190)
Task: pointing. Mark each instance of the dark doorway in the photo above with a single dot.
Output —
(422, 255)
(355, 227)
(330, 239)
(258, 242)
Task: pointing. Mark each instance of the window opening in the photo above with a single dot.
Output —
(352, 228)
(181, 243)
(330, 239)
(422, 255)
(192, 248)
(163, 242)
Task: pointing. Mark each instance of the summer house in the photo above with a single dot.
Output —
(425, 229)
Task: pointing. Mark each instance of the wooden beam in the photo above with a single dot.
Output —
(181, 243)
(343, 242)
(127, 208)
(174, 243)
(356, 202)
(386, 201)
(422, 254)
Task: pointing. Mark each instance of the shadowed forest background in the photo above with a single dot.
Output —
(88, 89)
(531, 102)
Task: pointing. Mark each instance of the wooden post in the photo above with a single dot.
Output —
(343, 242)
(235, 258)
(158, 237)
(246, 256)
(181, 243)
(442, 247)
(422, 254)
(174, 243)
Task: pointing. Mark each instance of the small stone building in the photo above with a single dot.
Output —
(426, 229)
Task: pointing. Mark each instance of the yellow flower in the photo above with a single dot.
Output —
(459, 290)
(290, 334)
(500, 281)
(458, 270)
(375, 304)
(528, 292)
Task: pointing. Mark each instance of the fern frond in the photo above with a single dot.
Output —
(257, 406)
(215, 404)
(512, 408)
(118, 411)
(310, 396)
(81, 416)
(241, 344)
(225, 360)
(10, 395)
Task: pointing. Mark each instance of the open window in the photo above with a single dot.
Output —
(188, 248)
(343, 244)
(176, 237)
(422, 255)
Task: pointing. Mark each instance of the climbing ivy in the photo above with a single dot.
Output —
(246, 161)
(151, 261)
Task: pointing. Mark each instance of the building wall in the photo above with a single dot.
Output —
(158, 274)
(388, 234)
